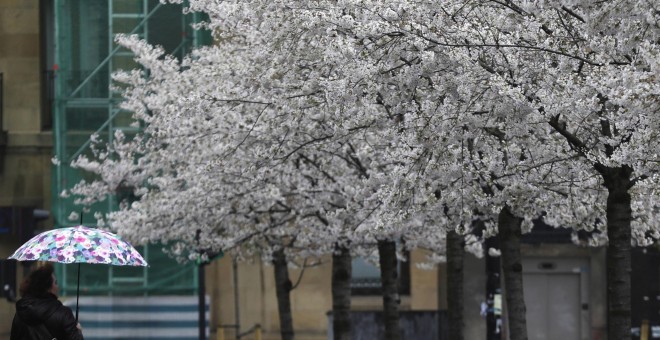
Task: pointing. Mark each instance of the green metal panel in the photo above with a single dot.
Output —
(86, 56)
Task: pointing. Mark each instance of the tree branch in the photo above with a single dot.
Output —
(571, 138)
(573, 14)
(312, 141)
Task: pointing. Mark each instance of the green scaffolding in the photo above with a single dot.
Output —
(86, 55)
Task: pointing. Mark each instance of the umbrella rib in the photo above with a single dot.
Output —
(72, 241)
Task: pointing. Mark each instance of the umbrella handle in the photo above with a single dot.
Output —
(78, 294)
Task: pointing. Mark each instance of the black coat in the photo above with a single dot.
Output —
(47, 310)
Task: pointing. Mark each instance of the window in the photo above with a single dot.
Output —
(47, 61)
(365, 278)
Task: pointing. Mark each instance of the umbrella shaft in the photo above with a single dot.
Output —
(78, 294)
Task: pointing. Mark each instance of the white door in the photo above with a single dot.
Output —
(556, 298)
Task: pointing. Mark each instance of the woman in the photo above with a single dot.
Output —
(39, 313)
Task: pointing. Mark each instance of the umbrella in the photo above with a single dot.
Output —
(79, 244)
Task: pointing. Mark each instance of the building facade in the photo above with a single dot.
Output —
(25, 137)
(311, 301)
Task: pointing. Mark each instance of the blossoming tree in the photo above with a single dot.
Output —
(358, 122)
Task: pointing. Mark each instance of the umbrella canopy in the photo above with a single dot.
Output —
(79, 244)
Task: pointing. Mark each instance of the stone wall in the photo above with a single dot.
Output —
(310, 301)
(25, 159)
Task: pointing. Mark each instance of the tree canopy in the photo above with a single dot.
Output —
(346, 122)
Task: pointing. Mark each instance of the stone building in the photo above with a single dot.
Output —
(26, 139)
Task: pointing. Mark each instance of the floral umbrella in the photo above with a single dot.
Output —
(79, 244)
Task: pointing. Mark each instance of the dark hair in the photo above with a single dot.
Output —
(39, 281)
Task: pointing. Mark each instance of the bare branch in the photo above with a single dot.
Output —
(571, 138)
(573, 14)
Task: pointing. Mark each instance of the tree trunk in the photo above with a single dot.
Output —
(509, 235)
(283, 289)
(390, 283)
(341, 293)
(619, 214)
(455, 254)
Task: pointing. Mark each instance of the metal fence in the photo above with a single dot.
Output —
(368, 325)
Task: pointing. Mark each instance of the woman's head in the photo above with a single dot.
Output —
(40, 281)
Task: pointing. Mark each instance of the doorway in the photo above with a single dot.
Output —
(557, 298)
